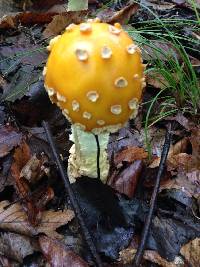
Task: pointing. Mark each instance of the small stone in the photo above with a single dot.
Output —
(75, 105)
(85, 27)
(61, 97)
(100, 122)
(81, 54)
(106, 52)
(92, 96)
(116, 109)
(121, 82)
(114, 30)
(87, 115)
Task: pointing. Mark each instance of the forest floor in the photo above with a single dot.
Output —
(38, 226)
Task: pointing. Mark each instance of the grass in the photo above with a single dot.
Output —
(180, 89)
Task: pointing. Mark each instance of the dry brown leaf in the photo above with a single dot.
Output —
(6, 262)
(57, 254)
(130, 154)
(195, 141)
(14, 219)
(182, 182)
(9, 138)
(16, 246)
(191, 252)
(25, 18)
(59, 22)
(123, 15)
(34, 169)
(183, 121)
(127, 256)
(125, 181)
(160, 6)
(148, 53)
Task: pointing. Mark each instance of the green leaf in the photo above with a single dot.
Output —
(77, 5)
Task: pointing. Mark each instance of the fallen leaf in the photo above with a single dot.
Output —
(25, 18)
(24, 176)
(34, 169)
(125, 181)
(21, 157)
(127, 256)
(5, 176)
(110, 16)
(6, 262)
(9, 138)
(195, 141)
(16, 246)
(130, 154)
(191, 252)
(183, 121)
(57, 254)
(14, 219)
(157, 80)
(59, 22)
(160, 50)
(160, 6)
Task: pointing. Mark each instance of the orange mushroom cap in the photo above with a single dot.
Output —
(95, 74)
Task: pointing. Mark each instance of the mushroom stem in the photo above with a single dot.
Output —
(83, 155)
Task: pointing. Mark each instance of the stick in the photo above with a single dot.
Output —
(141, 248)
(98, 157)
(74, 202)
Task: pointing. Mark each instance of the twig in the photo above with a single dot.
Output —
(98, 157)
(74, 202)
(141, 248)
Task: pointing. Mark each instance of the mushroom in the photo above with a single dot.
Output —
(95, 74)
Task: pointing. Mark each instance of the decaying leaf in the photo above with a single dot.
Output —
(130, 154)
(57, 254)
(61, 21)
(14, 219)
(27, 170)
(9, 138)
(34, 169)
(191, 252)
(16, 246)
(6, 262)
(127, 256)
(121, 16)
(125, 181)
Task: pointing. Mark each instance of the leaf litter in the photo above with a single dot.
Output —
(115, 213)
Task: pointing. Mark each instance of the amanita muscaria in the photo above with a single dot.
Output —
(95, 74)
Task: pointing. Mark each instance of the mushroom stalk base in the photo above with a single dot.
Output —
(83, 155)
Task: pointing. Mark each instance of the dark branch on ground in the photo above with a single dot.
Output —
(165, 150)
